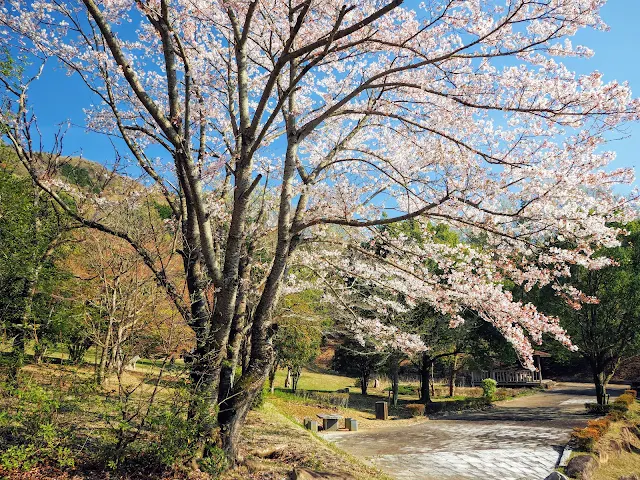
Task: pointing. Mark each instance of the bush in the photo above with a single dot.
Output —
(405, 389)
(601, 424)
(615, 416)
(489, 386)
(598, 409)
(416, 409)
(633, 393)
(626, 399)
(214, 463)
(470, 403)
(34, 422)
(584, 439)
(172, 432)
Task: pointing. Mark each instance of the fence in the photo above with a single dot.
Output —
(507, 377)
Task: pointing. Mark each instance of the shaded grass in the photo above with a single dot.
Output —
(87, 416)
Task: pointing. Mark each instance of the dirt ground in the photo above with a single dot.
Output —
(272, 446)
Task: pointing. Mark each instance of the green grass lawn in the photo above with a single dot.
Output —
(317, 381)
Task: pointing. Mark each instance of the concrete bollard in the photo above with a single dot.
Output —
(351, 424)
(311, 424)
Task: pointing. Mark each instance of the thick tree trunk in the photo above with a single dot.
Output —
(245, 353)
(232, 417)
(364, 381)
(599, 380)
(228, 371)
(249, 386)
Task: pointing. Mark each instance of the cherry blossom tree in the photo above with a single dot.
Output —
(294, 128)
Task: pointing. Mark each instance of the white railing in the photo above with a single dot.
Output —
(507, 377)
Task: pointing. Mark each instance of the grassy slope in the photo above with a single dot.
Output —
(272, 444)
(614, 464)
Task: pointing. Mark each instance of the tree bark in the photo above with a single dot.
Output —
(394, 380)
(287, 380)
(452, 375)
(272, 376)
(104, 354)
(295, 378)
(425, 369)
(364, 381)
(601, 387)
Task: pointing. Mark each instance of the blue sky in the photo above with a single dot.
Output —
(58, 98)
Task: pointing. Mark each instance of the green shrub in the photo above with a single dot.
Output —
(416, 409)
(470, 403)
(596, 408)
(214, 463)
(171, 436)
(619, 407)
(34, 422)
(19, 457)
(489, 387)
(405, 389)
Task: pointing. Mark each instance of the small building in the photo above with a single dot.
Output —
(512, 377)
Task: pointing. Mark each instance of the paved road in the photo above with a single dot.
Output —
(521, 439)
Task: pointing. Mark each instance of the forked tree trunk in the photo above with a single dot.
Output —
(295, 378)
(234, 345)
(233, 411)
(287, 380)
(104, 354)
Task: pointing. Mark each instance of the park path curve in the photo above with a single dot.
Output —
(521, 439)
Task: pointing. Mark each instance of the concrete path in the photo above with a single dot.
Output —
(521, 439)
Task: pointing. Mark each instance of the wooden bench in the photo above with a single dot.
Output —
(329, 422)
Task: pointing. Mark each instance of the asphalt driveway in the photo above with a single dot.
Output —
(521, 439)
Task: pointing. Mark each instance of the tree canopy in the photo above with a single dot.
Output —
(288, 131)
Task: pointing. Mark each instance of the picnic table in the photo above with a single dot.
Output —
(329, 421)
